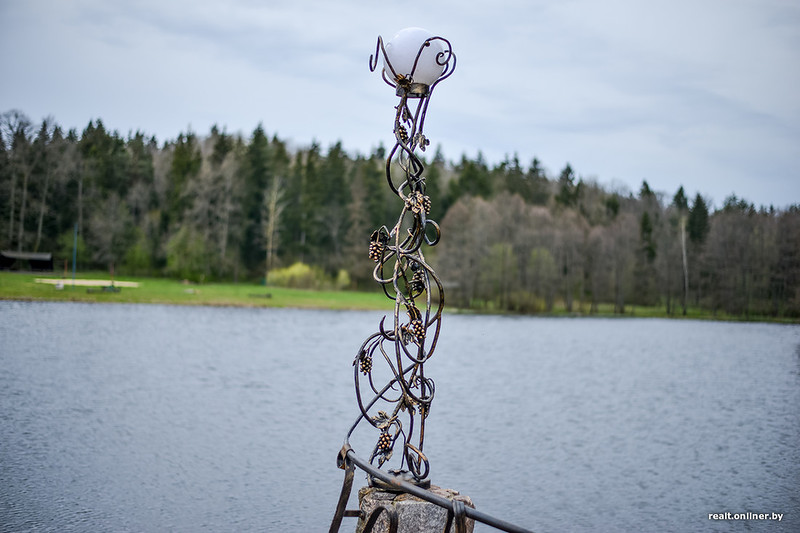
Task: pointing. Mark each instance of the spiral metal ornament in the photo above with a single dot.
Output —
(393, 393)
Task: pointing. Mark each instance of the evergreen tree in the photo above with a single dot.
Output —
(646, 193)
(333, 218)
(567, 191)
(434, 186)
(186, 161)
(680, 201)
(106, 160)
(374, 183)
(612, 205)
(515, 180)
(141, 174)
(698, 224)
(433, 183)
(538, 184)
(222, 145)
(333, 177)
(644, 271)
(281, 160)
(311, 201)
(733, 204)
(257, 175)
(646, 237)
(293, 238)
(473, 179)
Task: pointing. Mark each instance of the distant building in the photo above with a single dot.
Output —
(26, 261)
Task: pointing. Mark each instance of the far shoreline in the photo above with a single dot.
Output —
(23, 287)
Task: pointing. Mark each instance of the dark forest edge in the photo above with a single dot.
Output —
(228, 209)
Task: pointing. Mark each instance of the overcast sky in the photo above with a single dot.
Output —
(699, 93)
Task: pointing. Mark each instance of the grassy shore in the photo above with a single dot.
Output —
(18, 286)
(23, 286)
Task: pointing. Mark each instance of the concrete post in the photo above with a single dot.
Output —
(413, 514)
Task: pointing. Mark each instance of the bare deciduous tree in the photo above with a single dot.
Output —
(273, 208)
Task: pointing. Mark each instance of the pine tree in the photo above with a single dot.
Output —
(433, 185)
(222, 145)
(515, 180)
(680, 201)
(538, 184)
(107, 160)
(644, 272)
(293, 237)
(186, 161)
(567, 191)
(257, 174)
(374, 183)
(698, 224)
(473, 179)
(333, 218)
(311, 201)
(697, 227)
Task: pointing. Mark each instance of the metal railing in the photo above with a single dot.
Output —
(457, 512)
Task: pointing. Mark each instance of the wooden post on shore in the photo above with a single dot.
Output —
(74, 253)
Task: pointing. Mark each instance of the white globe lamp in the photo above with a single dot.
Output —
(414, 60)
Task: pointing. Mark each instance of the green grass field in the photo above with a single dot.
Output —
(19, 286)
(22, 286)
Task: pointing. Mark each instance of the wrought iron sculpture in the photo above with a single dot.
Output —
(398, 409)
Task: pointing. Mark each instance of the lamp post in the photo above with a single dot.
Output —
(413, 62)
(394, 395)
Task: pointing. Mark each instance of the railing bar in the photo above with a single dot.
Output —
(344, 496)
(433, 498)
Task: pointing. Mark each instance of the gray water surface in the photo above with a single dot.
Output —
(157, 418)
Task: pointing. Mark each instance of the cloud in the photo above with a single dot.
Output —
(699, 93)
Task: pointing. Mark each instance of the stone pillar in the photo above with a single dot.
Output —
(414, 515)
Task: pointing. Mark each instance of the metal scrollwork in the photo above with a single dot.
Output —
(394, 395)
(398, 351)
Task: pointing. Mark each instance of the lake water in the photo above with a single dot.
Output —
(157, 418)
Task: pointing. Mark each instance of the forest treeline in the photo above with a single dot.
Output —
(225, 207)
